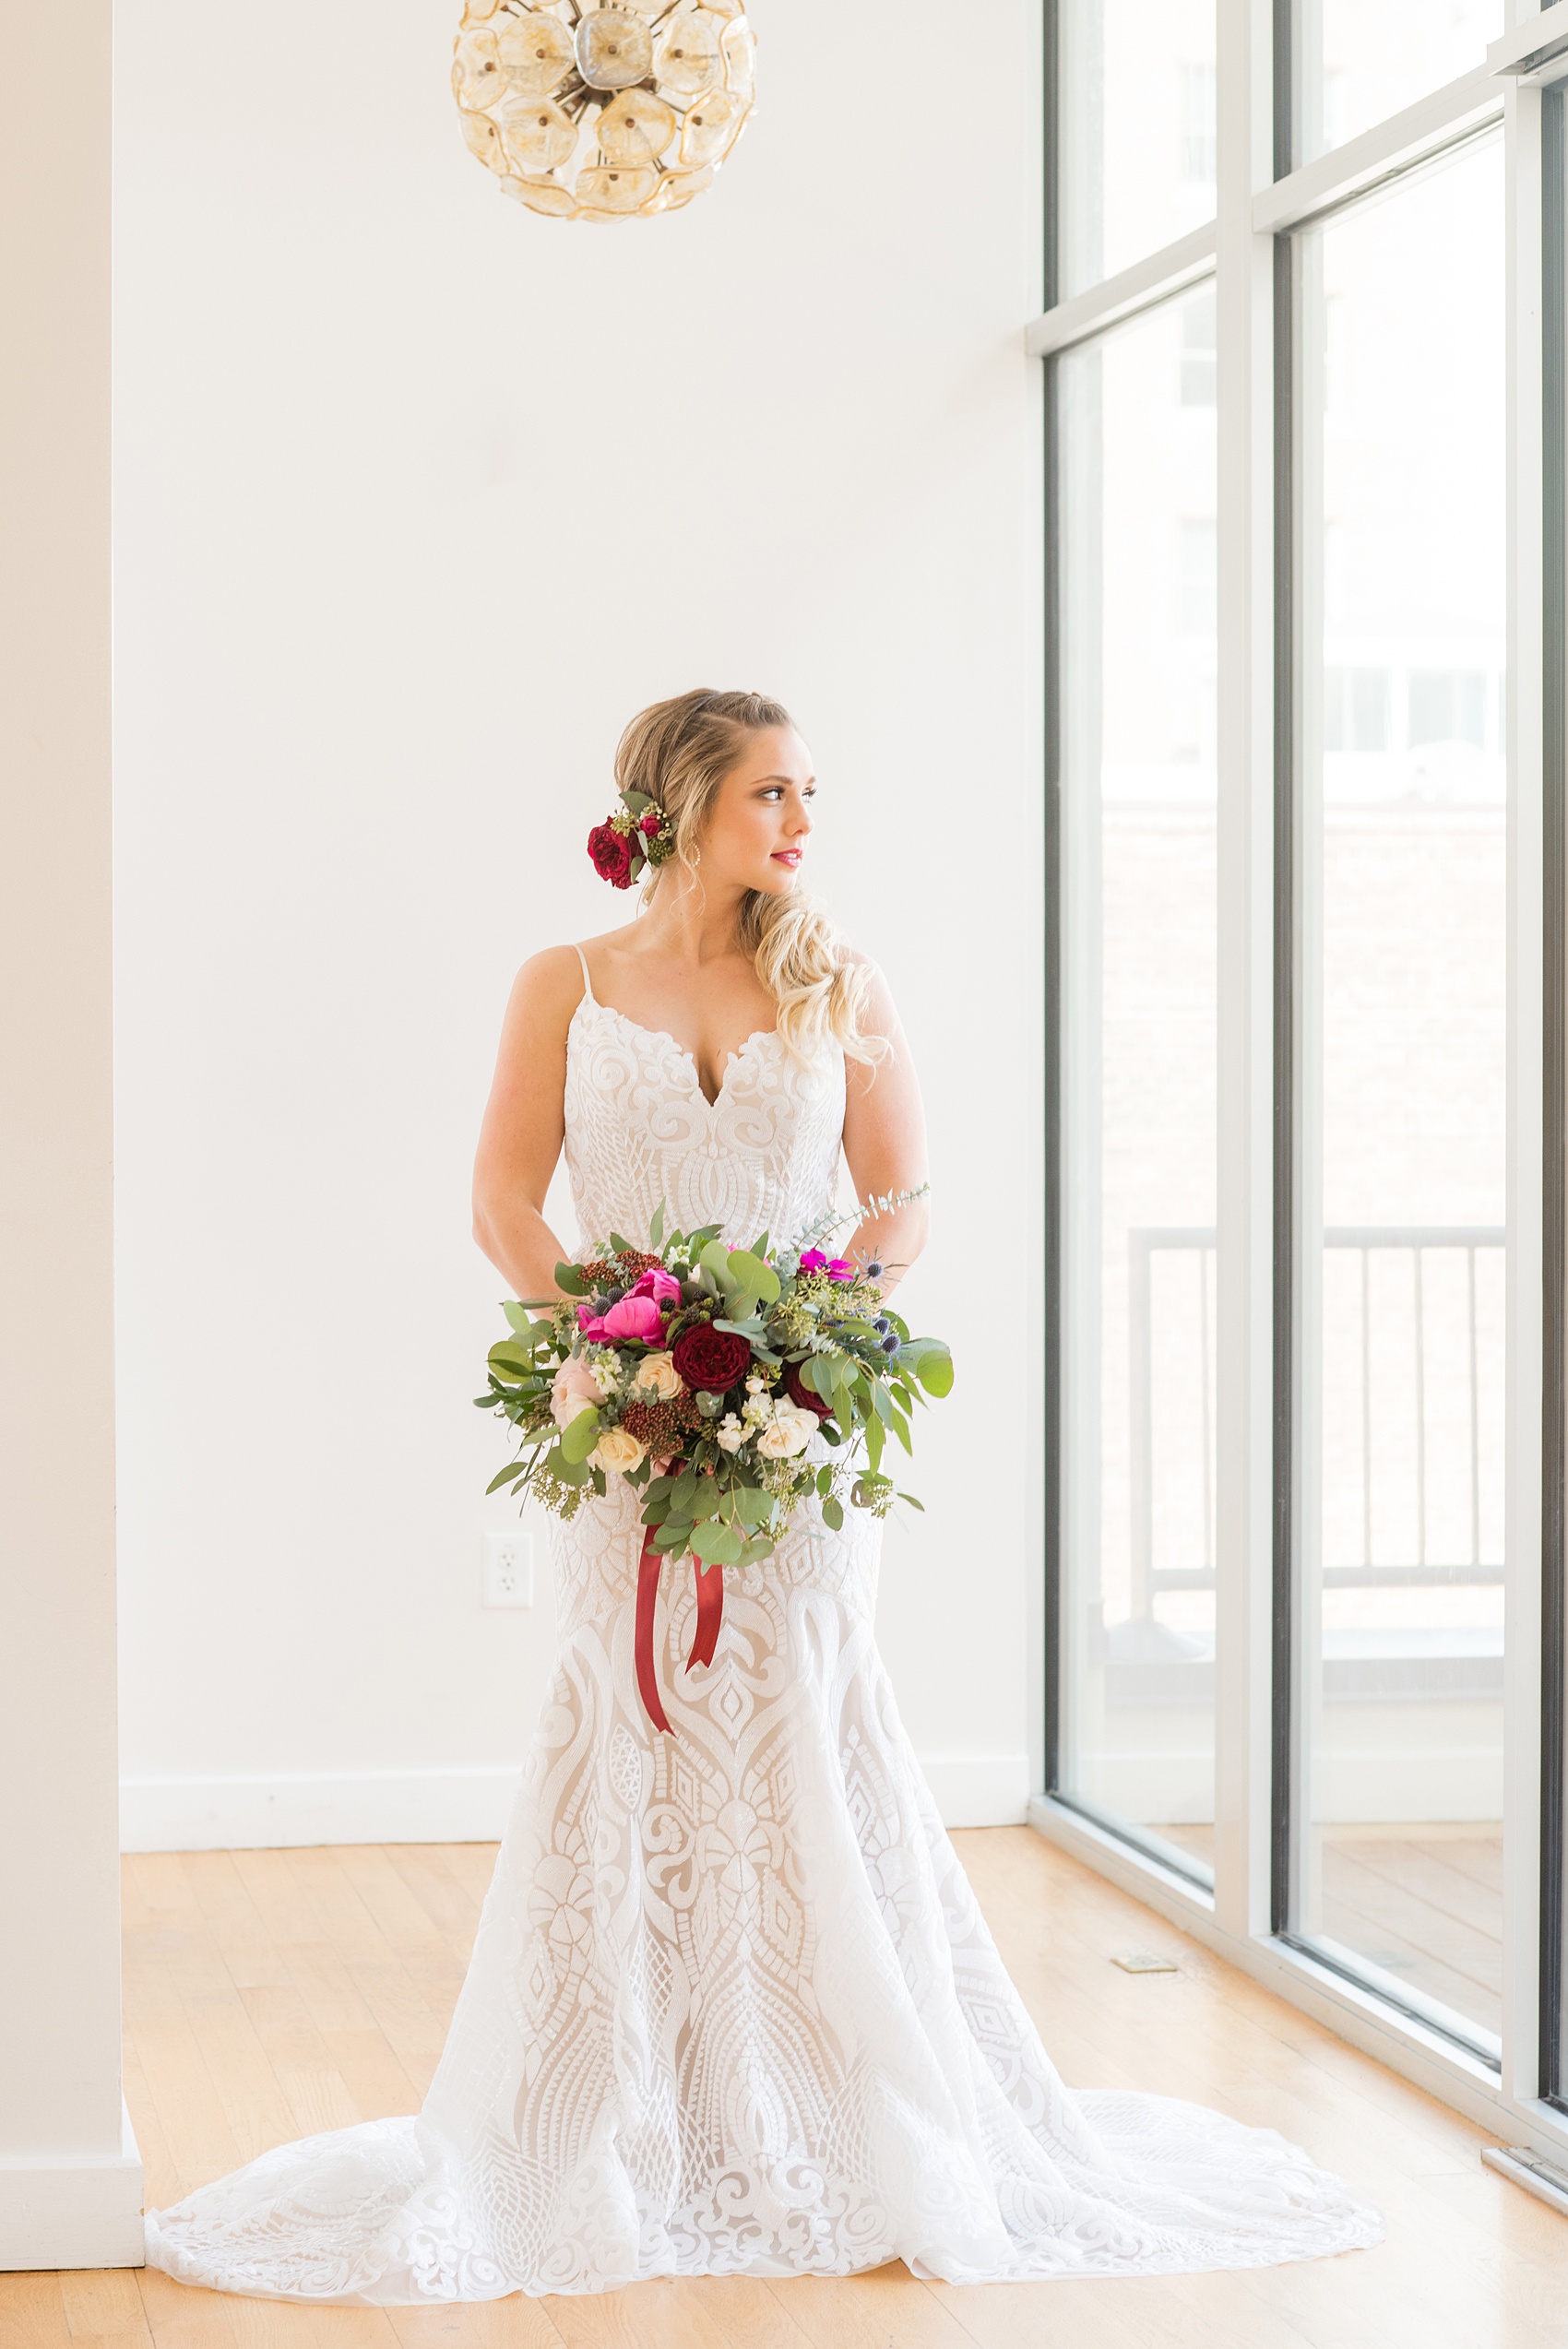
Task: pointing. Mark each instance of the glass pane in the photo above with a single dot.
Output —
(1401, 1202)
(1137, 131)
(1138, 486)
(1358, 61)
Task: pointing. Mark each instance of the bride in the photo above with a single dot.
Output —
(732, 2008)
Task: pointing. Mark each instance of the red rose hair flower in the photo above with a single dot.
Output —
(711, 1360)
(636, 835)
(612, 854)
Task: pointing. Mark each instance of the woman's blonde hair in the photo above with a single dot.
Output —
(678, 752)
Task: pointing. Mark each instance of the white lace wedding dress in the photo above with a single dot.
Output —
(732, 2008)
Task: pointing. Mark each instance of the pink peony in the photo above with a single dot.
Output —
(576, 1390)
(658, 1285)
(634, 1317)
(813, 1261)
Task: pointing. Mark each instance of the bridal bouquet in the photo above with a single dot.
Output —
(700, 1374)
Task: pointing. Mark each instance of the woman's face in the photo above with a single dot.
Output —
(760, 821)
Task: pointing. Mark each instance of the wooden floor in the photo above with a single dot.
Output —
(1422, 1901)
(272, 1993)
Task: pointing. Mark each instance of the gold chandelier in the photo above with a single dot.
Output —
(603, 111)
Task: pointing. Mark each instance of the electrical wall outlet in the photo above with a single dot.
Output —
(508, 1569)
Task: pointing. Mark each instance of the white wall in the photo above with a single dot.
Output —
(418, 499)
(70, 2177)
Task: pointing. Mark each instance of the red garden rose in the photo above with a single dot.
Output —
(612, 854)
(799, 1391)
(711, 1360)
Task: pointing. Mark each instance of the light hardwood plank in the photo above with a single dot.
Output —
(32, 2313)
(104, 2305)
(331, 1975)
(670, 2314)
(867, 2311)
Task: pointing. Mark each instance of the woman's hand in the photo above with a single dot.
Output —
(885, 1141)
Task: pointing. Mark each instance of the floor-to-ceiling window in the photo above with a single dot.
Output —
(1400, 915)
(1306, 355)
(1133, 430)
(1137, 440)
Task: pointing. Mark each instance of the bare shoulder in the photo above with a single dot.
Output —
(549, 985)
(879, 1014)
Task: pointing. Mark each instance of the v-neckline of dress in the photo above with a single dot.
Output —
(682, 1053)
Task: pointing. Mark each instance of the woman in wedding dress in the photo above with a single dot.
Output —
(732, 2008)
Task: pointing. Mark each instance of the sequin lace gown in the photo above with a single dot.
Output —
(732, 2008)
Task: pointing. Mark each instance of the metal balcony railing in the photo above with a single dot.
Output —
(1419, 1242)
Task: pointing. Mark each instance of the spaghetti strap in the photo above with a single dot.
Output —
(587, 983)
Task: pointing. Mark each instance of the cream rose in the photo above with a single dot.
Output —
(788, 1432)
(619, 1451)
(657, 1375)
(576, 1391)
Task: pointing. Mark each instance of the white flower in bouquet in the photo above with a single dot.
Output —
(619, 1451)
(788, 1432)
(657, 1375)
(732, 1434)
(760, 1410)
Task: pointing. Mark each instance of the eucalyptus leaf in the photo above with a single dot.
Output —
(913, 1502)
(656, 1229)
(569, 1278)
(582, 1435)
(934, 1372)
(517, 1469)
(833, 1515)
(717, 1545)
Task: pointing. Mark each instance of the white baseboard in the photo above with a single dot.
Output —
(339, 1806)
(73, 2212)
(979, 1789)
(444, 1806)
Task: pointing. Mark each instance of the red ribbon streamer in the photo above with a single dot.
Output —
(710, 1619)
(647, 1599)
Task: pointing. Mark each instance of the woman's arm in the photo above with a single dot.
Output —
(885, 1140)
(523, 1124)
